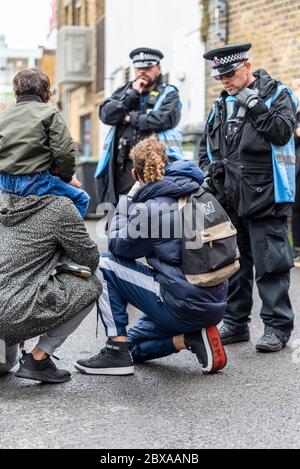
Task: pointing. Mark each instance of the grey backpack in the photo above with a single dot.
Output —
(209, 243)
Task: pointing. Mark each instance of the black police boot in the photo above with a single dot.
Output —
(230, 337)
(207, 346)
(114, 359)
(41, 370)
(270, 343)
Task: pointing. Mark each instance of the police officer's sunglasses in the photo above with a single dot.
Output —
(229, 74)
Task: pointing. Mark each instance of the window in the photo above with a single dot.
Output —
(78, 16)
(86, 13)
(74, 13)
(66, 20)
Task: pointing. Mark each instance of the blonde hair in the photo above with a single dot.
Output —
(149, 159)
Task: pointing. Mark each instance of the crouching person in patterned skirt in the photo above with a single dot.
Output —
(36, 300)
(176, 314)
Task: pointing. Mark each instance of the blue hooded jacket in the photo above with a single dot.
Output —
(149, 215)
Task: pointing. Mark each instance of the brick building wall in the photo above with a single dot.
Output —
(273, 28)
(80, 13)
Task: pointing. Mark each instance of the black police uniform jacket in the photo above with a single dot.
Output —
(241, 175)
(144, 122)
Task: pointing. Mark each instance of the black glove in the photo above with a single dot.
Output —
(247, 98)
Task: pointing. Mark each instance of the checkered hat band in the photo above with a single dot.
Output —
(230, 59)
(145, 58)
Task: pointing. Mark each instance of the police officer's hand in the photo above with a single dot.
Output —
(247, 98)
(140, 84)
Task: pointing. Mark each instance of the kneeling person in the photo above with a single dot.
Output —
(176, 314)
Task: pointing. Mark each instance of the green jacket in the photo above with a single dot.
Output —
(34, 138)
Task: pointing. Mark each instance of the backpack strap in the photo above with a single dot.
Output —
(182, 201)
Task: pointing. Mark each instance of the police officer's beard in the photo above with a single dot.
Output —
(151, 82)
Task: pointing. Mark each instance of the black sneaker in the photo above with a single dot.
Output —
(207, 345)
(114, 359)
(43, 370)
(74, 269)
(230, 337)
(270, 343)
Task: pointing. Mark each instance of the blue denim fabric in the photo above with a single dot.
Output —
(44, 184)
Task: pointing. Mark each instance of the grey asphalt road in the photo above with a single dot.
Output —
(169, 404)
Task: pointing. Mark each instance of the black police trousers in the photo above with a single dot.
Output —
(264, 245)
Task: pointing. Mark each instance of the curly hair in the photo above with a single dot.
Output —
(149, 159)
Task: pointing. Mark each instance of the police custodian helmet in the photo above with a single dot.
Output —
(144, 57)
(226, 59)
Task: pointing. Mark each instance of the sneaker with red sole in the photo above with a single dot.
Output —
(208, 347)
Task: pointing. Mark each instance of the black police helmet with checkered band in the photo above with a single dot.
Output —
(226, 59)
(143, 57)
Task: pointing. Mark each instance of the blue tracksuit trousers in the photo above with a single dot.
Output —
(130, 282)
(44, 184)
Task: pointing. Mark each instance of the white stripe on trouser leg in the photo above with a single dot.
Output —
(138, 279)
(104, 305)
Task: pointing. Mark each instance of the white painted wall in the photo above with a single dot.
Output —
(169, 25)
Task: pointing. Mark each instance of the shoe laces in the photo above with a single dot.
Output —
(270, 336)
(97, 356)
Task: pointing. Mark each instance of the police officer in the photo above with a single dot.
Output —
(248, 155)
(144, 106)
